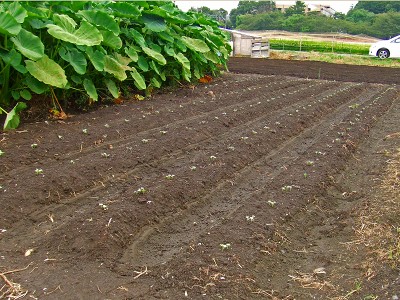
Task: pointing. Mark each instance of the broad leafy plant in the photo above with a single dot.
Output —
(97, 49)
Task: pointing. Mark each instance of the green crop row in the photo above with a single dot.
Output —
(93, 50)
(308, 46)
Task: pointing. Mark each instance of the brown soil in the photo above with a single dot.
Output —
(253, 188)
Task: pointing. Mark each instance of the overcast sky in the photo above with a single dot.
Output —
(340, 6)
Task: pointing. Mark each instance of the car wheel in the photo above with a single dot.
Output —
(383, 53)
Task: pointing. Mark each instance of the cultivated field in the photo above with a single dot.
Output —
(276, 185)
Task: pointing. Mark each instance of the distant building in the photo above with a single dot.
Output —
(323, 9)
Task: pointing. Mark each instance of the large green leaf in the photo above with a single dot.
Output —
(211, 56)
(111, 40)
(102, 19)
(123, 9)
(65, 22)
(17, 11)
(155, 55)
(28, 44)
(137, 36)
(75, 58)
(35, 85)
(112, 87)
(183, 60)
(86, 34)
(90, 89)
(8, 24)
(143, 64)
(131, 53)
(154, 23)
(47, 71)
(13, 58)
(12, 119)
(115, 67)
(96, 58)
(195, 44)
(154, 67)
(139, 79)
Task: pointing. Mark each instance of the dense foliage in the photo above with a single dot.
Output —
(318, 46)
(91, 50)
(375, 18)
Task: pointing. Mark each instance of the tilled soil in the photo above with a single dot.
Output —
(240, 188)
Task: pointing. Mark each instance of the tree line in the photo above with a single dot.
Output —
(375, 18)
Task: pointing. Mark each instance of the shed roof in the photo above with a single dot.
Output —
(241, 33)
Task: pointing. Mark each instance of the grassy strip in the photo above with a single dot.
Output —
(335, 47)
(336, 58)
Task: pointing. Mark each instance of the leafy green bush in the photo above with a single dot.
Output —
(91, 48)
(335, 47)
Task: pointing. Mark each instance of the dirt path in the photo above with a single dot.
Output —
(248, 188)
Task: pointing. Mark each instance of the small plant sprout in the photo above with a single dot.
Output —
(2, 152)
(38, 171)
(60, 137)
(271, 203)
(84, 131)
(169, 177)
(254, 132)
(309, 163)
(354, 106)
(320, 153)
(225, 246)
(103, 206)
(107, 126)
(231, 148)
(34, 145)
(243, 138)
(250, 218)
(212, 157)
(305, 175)
(193, 168)
(105, 155)
(145, 141)
(163, 132)
(72, 161)
(141, 190)
(287, 188)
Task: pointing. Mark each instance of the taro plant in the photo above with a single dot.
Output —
(94, 50)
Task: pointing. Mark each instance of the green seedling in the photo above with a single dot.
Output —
(103, 206)
(107, 126)
(212, 157)
(33, 146)
(105, 155)
(287, 188)
(305, 175)
(169, 177)
(271, 203)
(193, 168)
(309, 163)
(145, 141)
(85, 131)
(354, 106)
(320, 153)
(225, 246)
(141, 190)
(39, 171)
(250, 218)
(163, 132)
(60, 137)
(2, 152)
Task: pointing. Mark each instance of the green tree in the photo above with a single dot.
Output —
(219, 15)
(250, 7)
(297, 9)
(378, 7)
(360, 15)
(386, 25)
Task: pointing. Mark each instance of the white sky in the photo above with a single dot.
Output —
(185, 5)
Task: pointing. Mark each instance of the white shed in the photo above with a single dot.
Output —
(245, 44)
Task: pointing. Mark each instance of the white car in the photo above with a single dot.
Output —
(387, 48)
